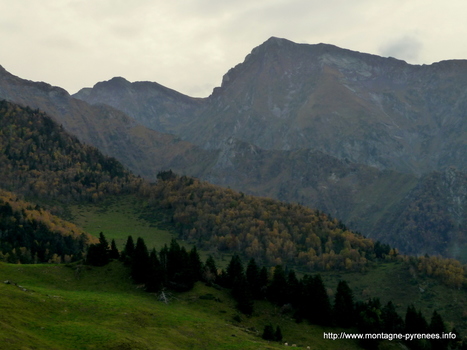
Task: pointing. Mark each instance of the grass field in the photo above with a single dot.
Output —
(118, 218)
(52, 307)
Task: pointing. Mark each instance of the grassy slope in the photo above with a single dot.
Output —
(118, 218)
(102, 309)
(388, 281)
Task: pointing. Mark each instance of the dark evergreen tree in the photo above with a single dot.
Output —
(294, 288)
(242, 295)
(263, 282)
(437, 326)
(278, 334)
(368, 320)
(278, 290)
(114, 254)
(252, 277)
(268, 333)
(313, 302)
(98, 254)
(210, 270)
(183, 278)
(234, 271)
(175, 259)
(103, 241)
(128, 251)
(155, 277)
(344, 305)
(140, 262)
(195, 264)
(392, 322)
(415, 323)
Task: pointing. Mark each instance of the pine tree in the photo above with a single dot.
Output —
(278, 289)
(392, 322)
(313, 302)
(343, 305)
(98, 254)
(268, 333)
(278, 334)
(416, 323)
(252, 276)
(263, 282)
(155, 277)
(234, 271)
(103, 241)
(128, 251)
(114, 254)
(195, 264)
(140, 262)
(294, 288)
(241, 293)
(437, 326)
(210, 270)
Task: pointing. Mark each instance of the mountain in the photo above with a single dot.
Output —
(152, 104)
(116, 134)
(371, 110)
(355, 135)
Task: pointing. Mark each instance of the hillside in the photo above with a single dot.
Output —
(31, 235)
(40, 159)
(114, 133)
(53, 312)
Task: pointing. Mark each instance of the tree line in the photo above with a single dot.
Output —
(305, 298)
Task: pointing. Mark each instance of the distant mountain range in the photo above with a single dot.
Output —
(375, 142)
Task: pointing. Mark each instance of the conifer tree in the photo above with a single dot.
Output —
(234, 271)
(294, 288)
(392, 322)
(278, 289)
(155, 277)
(114, 254)
(140, 262)
(128, 251)
(437, 326)
(252, 277)
(268, 333)
(98, 254)
(343, 305)
(416, 323)
(263, 282)
(278, 334)
(210, 270)
(241, 293)
(195, 264)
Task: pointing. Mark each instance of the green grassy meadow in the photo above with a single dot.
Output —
(119, 217)
(53, 307)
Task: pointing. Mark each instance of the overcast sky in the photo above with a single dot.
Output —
(188, 45)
